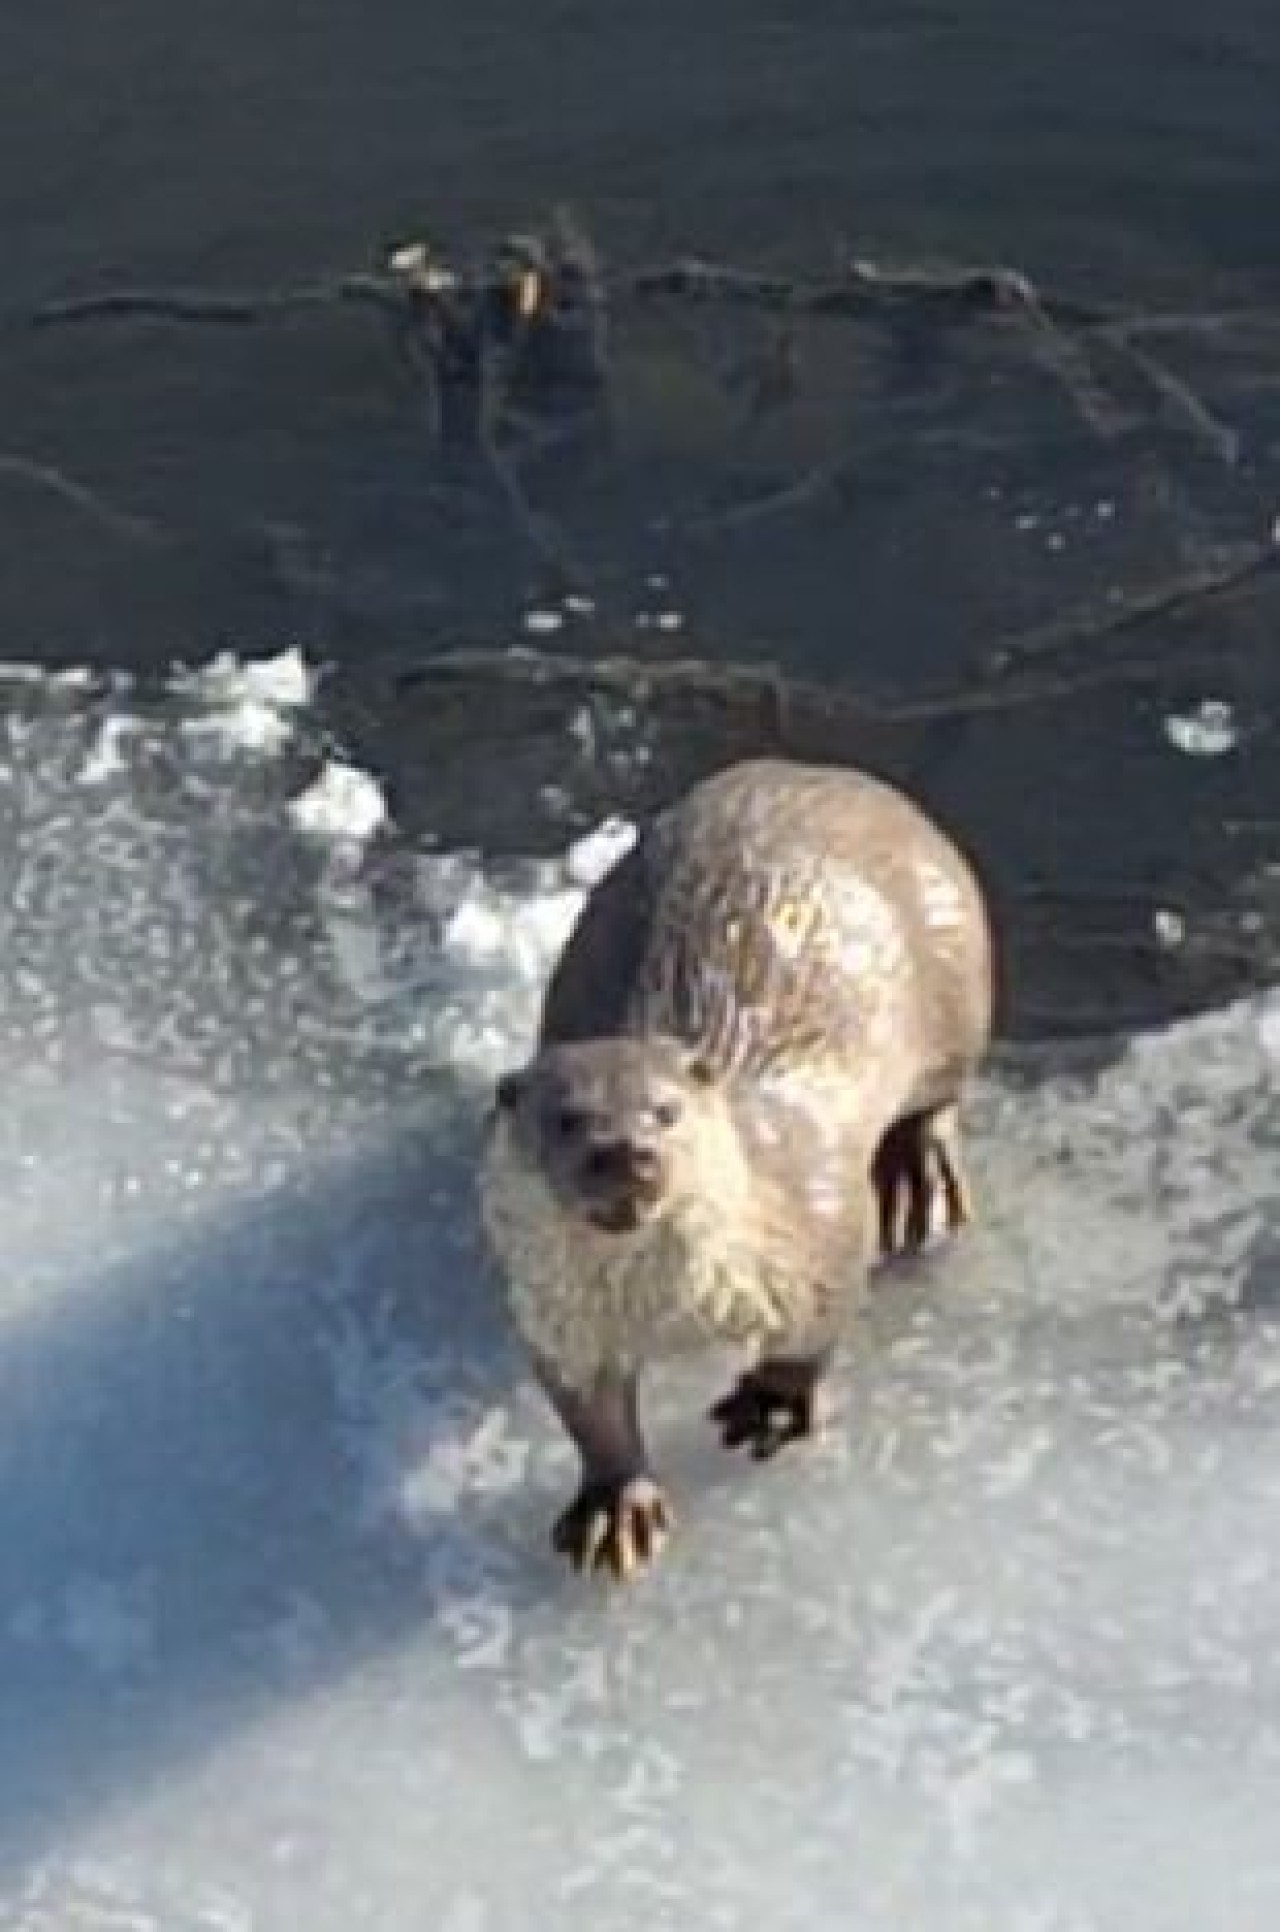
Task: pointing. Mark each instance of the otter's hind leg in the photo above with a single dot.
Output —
(620, 1517)
(920, 1180)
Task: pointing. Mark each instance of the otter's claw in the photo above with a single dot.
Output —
(920, 1183)
(615, 1526)
(766, 1414)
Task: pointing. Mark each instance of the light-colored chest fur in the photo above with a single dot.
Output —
(585, 1299)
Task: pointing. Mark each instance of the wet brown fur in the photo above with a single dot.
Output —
(791, 962)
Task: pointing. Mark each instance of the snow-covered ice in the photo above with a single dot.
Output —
(283, 1645)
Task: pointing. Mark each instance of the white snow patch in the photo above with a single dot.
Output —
(285, 1644)
(248, 705)
(1269, 1025)
(285, 682)
(106, 757)
(592, 856)
(71, 677)
(476, 932)
(343, 802)
(244, 726)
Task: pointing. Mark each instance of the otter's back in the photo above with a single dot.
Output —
(786, 914)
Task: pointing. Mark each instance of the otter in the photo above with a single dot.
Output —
(744, 1093)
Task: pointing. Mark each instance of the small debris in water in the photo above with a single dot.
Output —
(540, 623)
(659, 620)
(1206, 732)
(1170, 926)
(579, 606)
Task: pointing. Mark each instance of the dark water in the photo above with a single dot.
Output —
(288, 484)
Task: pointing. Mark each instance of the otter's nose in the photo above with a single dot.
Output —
(621, 1164)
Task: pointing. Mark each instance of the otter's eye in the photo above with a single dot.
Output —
(569, 1123)
(667, 1113)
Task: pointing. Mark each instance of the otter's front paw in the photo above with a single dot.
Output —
(766, 1411)
(619, 1526)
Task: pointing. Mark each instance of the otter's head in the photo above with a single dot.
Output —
(611, 1126)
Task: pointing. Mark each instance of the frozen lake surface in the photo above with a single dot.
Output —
(283, 1642)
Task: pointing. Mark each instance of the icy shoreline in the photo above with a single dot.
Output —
(281, 1640)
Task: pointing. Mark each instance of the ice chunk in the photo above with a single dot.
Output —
(245, 706)
(241, 725)
(343, 802)
(540, 623)
(285, 682)
(1206, 732)
(590, 857)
